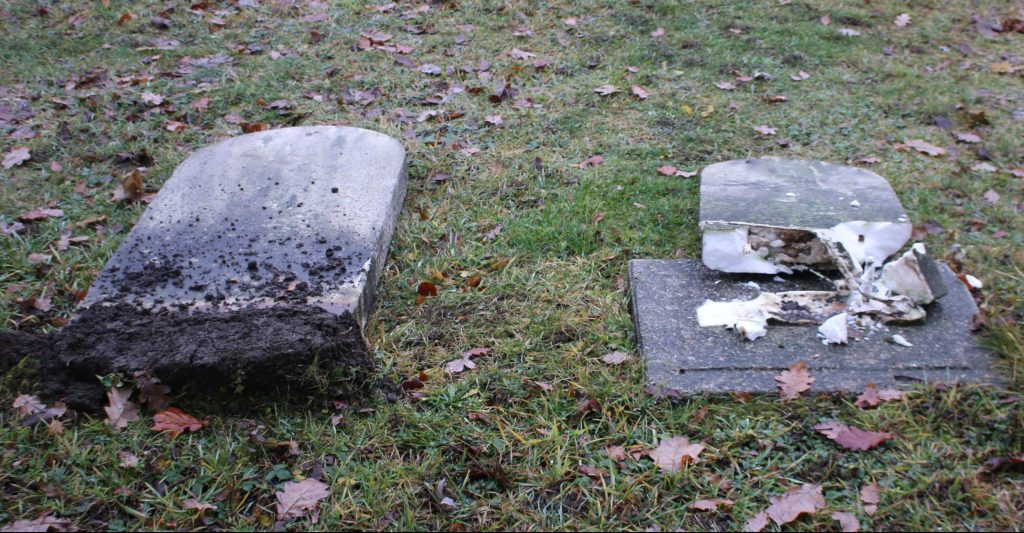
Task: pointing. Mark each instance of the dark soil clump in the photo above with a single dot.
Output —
(254, 348)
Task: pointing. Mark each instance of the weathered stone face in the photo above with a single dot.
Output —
(258, 259)
(297, 215)
(767, 215)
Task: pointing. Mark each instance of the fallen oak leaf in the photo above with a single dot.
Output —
(16, 156)
(120, 411)
(871, 396)
(848, 522)
(672, 454)
(128, 459)
(606, 90)
(870, 496)
(757, 523)
(639, 92)
(805, 499)
(131, 189)
(28, 405)
(921, 146)
(40, 214)
(711, 505)
(592, 471)
(591, 162)
(616, 358)
(174, 421)
(196, 505)
(852, 438)
(794, 381)
(902, 20)
(298, 498)
(42, 524)
(616, 453)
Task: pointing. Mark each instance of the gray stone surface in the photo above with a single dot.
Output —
(787, 193)
(681, 355)
(296, 215)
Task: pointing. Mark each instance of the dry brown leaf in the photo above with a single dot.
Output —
(870, 496)
(516, 53)
(174, 421)
(616, 358)
(848, 522)
(852, 438)
(38, 525)
(459, 365)
(494, 120)
(658, 32)
(591, 162)
(757, 523)
(872, 396)
(592, 472)
(299, 498)
(128, 459)
(794, 381)
(675, 453)
(16, 156)
(639, 92)
(765, 130)
(120, 411)
(968, 137)
(28, 405)
(152, 393)
(40, 214)
(922, 146)
(805, 499)
(131, 189)
(606, 90)
(197, 505)
(902, 20)
(800, 76)
(725, 85)
(711, 505)
(667, 170)
(616, 453)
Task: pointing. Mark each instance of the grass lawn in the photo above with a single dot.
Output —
(550, 240)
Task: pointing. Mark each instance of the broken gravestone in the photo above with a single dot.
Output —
(802, 245)
(258, 258)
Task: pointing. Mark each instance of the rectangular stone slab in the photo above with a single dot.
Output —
(295, 215)
(681, 355)
(796, 194)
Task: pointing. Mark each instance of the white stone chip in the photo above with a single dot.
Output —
(898, 339)
(728, 251)
(974, 282)
(835, 330)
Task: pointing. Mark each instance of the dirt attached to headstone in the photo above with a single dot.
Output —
(257, 349)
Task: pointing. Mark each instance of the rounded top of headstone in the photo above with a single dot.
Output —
(793, 193)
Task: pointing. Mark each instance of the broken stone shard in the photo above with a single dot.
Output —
(835, 330)
(766, 216)
(681, 355)
(258, 258)
(915, 276)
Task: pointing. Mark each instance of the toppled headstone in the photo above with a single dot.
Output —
(812, 249)
(258, 258)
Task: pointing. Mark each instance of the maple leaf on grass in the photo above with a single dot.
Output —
(672, 454)
(16, 157)
(174, 421)
(120, 410)
(805, 499)
(794, 381)
(299, 498)
(852, 438)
